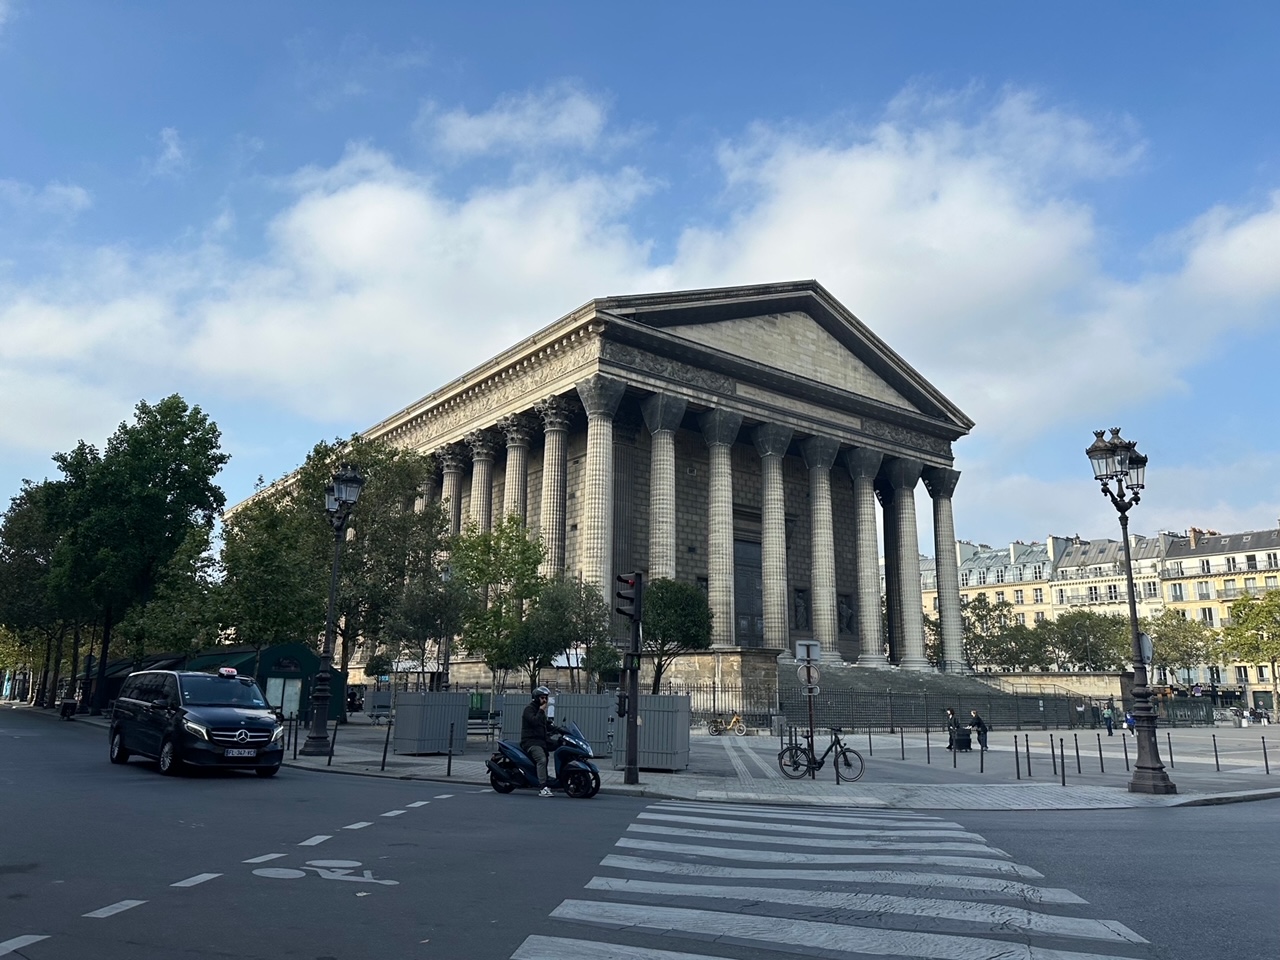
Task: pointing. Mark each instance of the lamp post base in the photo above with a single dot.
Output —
(314, 746)
(1152, 781)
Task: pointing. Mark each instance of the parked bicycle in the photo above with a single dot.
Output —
(717, 726)
(798, 760)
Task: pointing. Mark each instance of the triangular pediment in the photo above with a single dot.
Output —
(795, 343)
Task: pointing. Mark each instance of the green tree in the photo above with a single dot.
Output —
(570, 618)
(1087, 640)
(1253, 634)
(183, 614)
(1177, 643)
(676, 620)
(982, 626)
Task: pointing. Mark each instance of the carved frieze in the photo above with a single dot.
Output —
(904, 437)
(671, 370)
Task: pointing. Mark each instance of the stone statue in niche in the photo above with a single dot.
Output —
(844, 608)
(800, 605)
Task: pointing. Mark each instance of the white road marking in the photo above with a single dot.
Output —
(17, 943)
(358, 825)
(317, 839)
(740, 768)
(962, 910)
(198, 878)
(393, 813)
(443, 796)
(846, 938)
(824, 842)
(791, 856)
(986, 886)
(817, 831)
(264, 858)
(562, 948)
(422, 803)
(115, 908)
(798, 813)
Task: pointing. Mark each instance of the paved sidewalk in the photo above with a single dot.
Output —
(744, 770)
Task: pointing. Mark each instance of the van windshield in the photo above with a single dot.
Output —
(214, 691)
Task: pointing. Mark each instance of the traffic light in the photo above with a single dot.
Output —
(630, 595)
(622, 702)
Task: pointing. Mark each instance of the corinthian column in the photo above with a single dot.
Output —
(771, 443)
(600, 396)
(453, 460)
(903, 475)
(941, 484)
(720, 429)
(892, 595)
(482, 456)
(863, 465)
(819, 454)
(515, 490)
(555, 423)
(662, 415)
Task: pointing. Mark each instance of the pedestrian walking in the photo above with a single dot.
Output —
(953, 728)
(1130, 723)
(1109, 719)
(978, 726)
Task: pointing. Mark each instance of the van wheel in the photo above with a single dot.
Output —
(118, 753)
(170, 765)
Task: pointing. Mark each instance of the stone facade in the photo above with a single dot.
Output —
(731, 438)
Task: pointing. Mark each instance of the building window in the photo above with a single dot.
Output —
(1206, 616)
(1180, 612)
(1232, 565)
(999, 596)
(1162, 675)
(1020, 619)
(1262, 673)
(1203, 592)
(1062, 597)
(1151, 590)
(1037, 595)
(1037, 572)
(1251, 561)
(1250, 586)
(1270, 583)
(1175, 568)
(1018, 597)
(1204, 566)
(964, 597)
(982, 577)
(964, 578)
(1175, 593)
(1215, 674)
(935, 603)
(1229, 589)
(1242, 674)
(1113, 592)
(1000, 575)
(1273, 560)
(1094, 595)
(1039, 616)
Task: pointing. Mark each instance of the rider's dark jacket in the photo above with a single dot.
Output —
(535, 728)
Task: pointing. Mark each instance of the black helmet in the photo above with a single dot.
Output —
(540, 692)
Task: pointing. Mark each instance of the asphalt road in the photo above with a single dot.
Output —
(313, 865)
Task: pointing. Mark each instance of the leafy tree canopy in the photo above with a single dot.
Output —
(676, 620)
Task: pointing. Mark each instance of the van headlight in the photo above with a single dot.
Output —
(195, 728)
(277, 733)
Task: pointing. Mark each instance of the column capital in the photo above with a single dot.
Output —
(482, 443)
(600, 395)
(518, 428)
(772, 439)
(663, 411)
(863, 463)
(720, 426)
(819, 452)
(902, 473)
(555, 412)
(453, 458)
(940, 482)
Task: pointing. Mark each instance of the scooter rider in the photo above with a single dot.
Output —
(535, 735)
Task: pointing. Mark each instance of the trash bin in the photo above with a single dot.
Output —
(963, 741)
(67, 709)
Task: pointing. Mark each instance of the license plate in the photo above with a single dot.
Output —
(232, 752)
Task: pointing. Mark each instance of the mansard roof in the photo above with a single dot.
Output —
(1216, 544)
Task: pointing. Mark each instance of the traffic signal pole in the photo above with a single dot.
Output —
(630, 595)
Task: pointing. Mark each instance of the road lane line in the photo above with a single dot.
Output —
(983, 886)
(198, 878)
(962, 910)
(562, 948)
(17, 943)
(393, 813)
(812, 934)
(358, 825)
(264, 858)
(418, 803)
(791, 856)
(443, 796)
(823, 842)
(115, 908)
(319, 838)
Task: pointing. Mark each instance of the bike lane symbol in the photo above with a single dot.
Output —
(326, 869)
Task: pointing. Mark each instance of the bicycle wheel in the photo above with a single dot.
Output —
(715, 727)
(849, 765)
(794, 762)
(740, 728)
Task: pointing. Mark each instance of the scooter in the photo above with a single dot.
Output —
(576, 775)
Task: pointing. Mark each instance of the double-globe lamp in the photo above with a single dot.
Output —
(340, 497)
(1117, 461)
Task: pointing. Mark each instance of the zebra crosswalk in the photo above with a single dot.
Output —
(744, 881)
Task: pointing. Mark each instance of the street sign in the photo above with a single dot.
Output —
(808, 650)
(812, 691)
(808, 674)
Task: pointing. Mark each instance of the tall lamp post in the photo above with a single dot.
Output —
(339, 498)
(1116, 459)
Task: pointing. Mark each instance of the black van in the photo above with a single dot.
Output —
(204, 719)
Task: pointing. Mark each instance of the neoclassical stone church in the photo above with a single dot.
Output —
(758, 440)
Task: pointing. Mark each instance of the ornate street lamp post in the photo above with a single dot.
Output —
(339, 497)
(1116, 459)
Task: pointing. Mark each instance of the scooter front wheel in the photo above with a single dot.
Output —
(500, 785)
(582, 784)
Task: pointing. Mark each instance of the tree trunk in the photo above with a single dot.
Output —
(57, 669)
(75, 661)
(100, 683)
(42, 690)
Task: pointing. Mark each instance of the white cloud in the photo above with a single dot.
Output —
(63, 199)
(559, 117)
(173, 159)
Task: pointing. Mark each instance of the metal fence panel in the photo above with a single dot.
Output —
(422, 722)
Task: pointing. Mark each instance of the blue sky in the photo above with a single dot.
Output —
(304, 216)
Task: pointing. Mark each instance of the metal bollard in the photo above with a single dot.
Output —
(869, 753)
(902, 742)
(1266, 764)
(1076, 737)
(926, 746)
(1027, 740)
(1017, 762)
(1053, 758)
(1169, 740)
(1061, 748)
(448, 768)
(332, 740)
(955, 749)
(1216, 765)
(1124, 742)
(386, 743)
(1101, 768)
(982, 761)
(295, 741)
